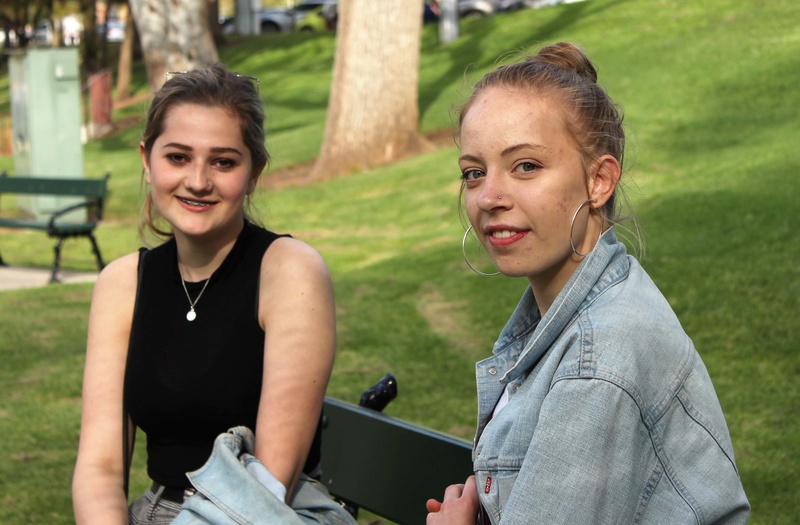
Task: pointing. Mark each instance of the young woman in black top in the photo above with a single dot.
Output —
(234, 325)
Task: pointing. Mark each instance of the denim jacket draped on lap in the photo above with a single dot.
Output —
(233, 489)
(611, 417)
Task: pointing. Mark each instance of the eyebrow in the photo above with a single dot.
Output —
(517, 147)
(220, 149)
(508, 151)
(470, 158)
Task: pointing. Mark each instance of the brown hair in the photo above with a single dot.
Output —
(594, 121)
(212, 87)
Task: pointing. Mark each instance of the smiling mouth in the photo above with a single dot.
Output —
(191, 202)
(503, 238)
(504, 234)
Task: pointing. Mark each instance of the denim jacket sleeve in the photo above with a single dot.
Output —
(593, 459)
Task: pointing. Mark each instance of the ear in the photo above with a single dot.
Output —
(145, 162)
(251, 186)
(603, 180)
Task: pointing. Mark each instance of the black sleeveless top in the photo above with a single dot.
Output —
(188, 381)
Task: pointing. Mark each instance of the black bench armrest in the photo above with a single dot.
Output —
(388, 466)
(52, 228)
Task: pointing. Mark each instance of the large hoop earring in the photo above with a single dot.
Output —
(572, 226)
(464, 253)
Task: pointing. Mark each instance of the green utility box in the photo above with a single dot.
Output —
(46, 120)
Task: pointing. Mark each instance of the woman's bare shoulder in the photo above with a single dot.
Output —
(119, 277)
(288, 256)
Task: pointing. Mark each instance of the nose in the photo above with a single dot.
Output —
(493, 193)
(197, 179)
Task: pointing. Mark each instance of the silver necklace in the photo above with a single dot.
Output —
(191, 315)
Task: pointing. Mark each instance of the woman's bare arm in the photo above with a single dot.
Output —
(97, 485)
(296, 310)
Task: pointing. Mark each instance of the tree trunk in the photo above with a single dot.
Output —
(175, 36)
(125, 63)
(373, 109)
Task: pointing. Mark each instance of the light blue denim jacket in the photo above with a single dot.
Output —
(232, 489)
(612, 417)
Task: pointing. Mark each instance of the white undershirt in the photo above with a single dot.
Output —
(501, 403)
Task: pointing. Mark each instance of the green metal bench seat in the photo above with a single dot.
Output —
(58, 229)
(61, 223)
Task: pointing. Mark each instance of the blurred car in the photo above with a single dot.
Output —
(277, 20)
(513, 5)
(282, 20)
(315, 21)
(43, 33)
(478, 8)
(115, 30)
(71, 29)
(227, 25)
(8, 38)
(307, 7)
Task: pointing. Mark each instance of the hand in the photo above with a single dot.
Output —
(459, 506)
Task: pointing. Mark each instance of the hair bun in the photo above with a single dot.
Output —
(568, 57)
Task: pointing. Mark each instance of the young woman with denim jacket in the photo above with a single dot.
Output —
(234, 323)
(595, 407)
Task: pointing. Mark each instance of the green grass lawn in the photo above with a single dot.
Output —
(710, 92)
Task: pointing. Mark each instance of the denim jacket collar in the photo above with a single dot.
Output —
(581, 289)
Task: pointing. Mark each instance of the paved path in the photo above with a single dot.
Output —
(15, 278)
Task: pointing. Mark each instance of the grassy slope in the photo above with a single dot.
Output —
(710, 97)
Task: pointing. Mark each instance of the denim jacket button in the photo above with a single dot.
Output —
(493, 371)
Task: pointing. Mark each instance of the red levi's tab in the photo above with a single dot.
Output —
(488, 485)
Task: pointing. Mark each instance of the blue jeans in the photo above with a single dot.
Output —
(151, 508)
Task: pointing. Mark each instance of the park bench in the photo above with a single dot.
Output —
(385, 465)
(69, 220)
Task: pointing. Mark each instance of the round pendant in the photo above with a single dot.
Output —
(191, 315)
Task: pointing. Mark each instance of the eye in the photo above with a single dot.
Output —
(471, 174)
(225, 163)
(526, 166)
(177, 158)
